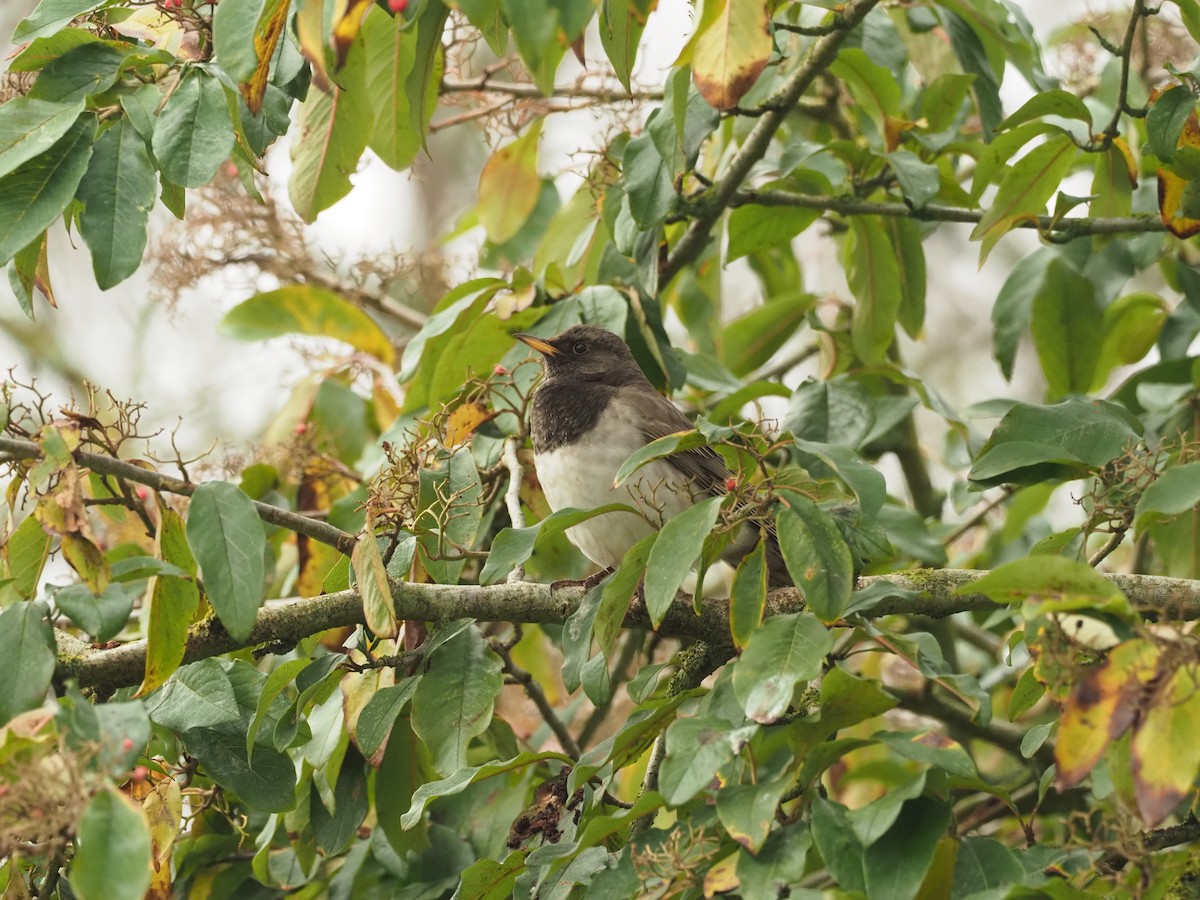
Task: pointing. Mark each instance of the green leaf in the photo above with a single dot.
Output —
(198, 695)
(781, 862)
(873, 273)
(114, 851)
(25, 552)
(117, 194)
(621, 25)
(751, 228)
(379, 607)
(487, 879)
(1131, 326)
(840, 848)
(984, 864)
(464, 778)
(275, 685)
(647, 181)
(618, 593)
(1068, 329)
(50, 16)
(784, 651)
(269, 784)
(747, 811)
(748, 596)
(193, 133)
(1175, 492)
(1013, 310)
(305, 309)
(697, 749)
(668, 445)
(817, 556)
(103, 615)
(675, 553)
(1164, 122)
(173, 601)
(395, 80)
(1067, 440)
(905, 236)
(542, 31)
(454, 700)
(29, 127)
(28, 648)
(509, 185)
(895, 865)
(863, 479)
(81, 72)
(334, 829)
(379, 715)
(236, 29)
(36, 193)
(513, 546)
(1052, 584)
(919, 181)
(1027, 692)
(227, 537)
(873, 87)
(334, 125)
(1023, 193)
(751, 340)
(1049, 103)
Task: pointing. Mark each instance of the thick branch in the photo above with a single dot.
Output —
(290, 620)
(818, 58)
(932, 212)
(12, 449)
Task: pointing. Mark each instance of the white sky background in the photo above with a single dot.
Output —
(227, 390)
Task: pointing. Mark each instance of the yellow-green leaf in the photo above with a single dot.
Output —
(509, 186)
(1166, 747)
(304, 309)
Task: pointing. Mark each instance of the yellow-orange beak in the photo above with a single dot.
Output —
(537, 344)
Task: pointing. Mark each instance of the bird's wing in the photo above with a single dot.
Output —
(659, 417)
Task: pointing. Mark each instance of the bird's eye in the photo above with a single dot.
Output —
(580, 347)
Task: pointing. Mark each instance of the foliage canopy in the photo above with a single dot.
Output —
(337, 667)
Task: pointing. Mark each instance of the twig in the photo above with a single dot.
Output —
(531, 91)
(976, 518)
(538, 696)
(932, 212)
(12, 449)
(1159, 839)
(1126, 53)
(1113, 542)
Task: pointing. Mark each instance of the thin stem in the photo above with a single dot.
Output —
(932, 212)
(538, 696)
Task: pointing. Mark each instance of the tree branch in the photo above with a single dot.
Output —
(13, 449)
(932, 212)
(532, 92)
(820, 55)
(295, 618)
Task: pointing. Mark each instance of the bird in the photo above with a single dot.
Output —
(593, 409)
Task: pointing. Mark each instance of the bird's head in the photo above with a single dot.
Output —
(586, 353)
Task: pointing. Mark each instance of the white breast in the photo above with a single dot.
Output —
(581, 475)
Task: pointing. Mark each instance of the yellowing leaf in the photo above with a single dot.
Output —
(347, 20)
(1101, 707)
(1023, 193)
(304, 309)
(1166, 747)
(267, 32)
(462, 423)
(730, 49)
(1176, 194)
(509, 185)
(371, 575)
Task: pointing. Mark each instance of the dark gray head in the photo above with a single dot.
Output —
(586, 353)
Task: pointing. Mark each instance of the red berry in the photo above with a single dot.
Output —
(730, 483)
(397, 6)
(499, 370)
(127, 744)
(142, 492)
(301, 427)
(139, 773)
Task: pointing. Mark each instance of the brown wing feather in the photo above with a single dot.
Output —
(659, 417)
